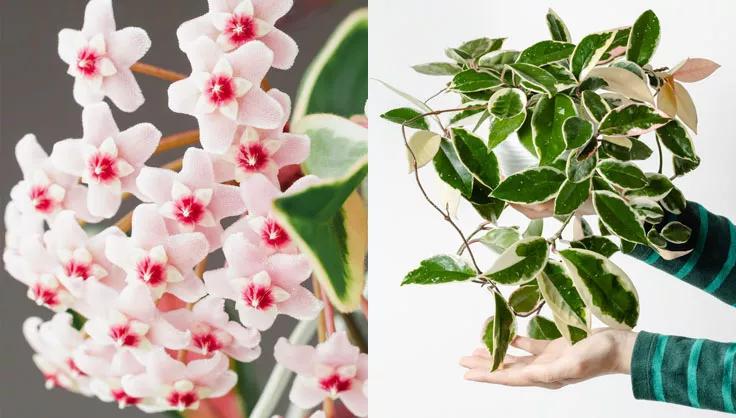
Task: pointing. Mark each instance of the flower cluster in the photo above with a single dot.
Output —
(137, 320)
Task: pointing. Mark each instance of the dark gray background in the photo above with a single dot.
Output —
(36, 97)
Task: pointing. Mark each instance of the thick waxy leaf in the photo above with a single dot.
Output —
(636, 151)
(507, 103)
(577, 132)
(548, 121)
(656, 239)
(588, 52)
(647, 210)
(329, 221)
(600, 245)
(504, 330)
(694, 69)
(676, 232)
(488, 208)
(683, 166)
(644, 38)
(685, 107)
(502, 128)
(533, 185)
(470, 81)
(525, 134)
(438, 68)
(408, 116)
(541, 328)
(451, 170)
(631, 67)
(336, 144)
(565, 79)
(481, 46)
(534, 229)
(557, 28)
(520, 263)
(632, 120)
(674, 136)
(467, 116)
(618, 46)
(578, 170)
(658, 186)
(411, 99)
(594, 105)
(524, 299)
(625, 175)
(440, 269)
(563, 299)
(476, 157)
(499, 239)
(625, 82)
(604, 287)
(618, 217)
(666, 99)
(545, 52)
(497, 60)
(571, 196)
(424, 146)
(675, 201)
(573, 334)
(536, 78)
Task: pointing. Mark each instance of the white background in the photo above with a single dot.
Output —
(419, 333)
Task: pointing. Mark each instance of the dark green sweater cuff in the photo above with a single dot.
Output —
(641, 381)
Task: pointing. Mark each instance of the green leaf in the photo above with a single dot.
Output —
(563, 299)
(497, 60)
(620, 40)
(656, 239)
(631, 67)
(534, 229)
(632, 120)
(524, 299)
(408, 116)
(329, 223)
(675, 201)
(647, 210)
(604, 287)
(549, 117)
(502, 128)
(533, 185)
(424, 145)
(470, 81)
(588, 52)
(674, 136)
(341, 66)
(578, 170)
(481, 46)
(657, 188)
(637, 151)
(451, 170)
(676, 232)
(541, 328)
(624, 82)
(571, 196)
(525, 133)
(488, 208)
(440, 269)
(520, 263)
(411, 99)
(464, 116)
(536, 78)
(507, 103)
(565, 79)
(618, 217)
(545, 52)
(644, 38)
(501, 238)
(459, 56)
(577, 132)
(504, 330)
(594, 105)
(600, 245)
(336, 144)
(438, 68)
(683, 166)
(476, 157)
(625, 175)
(557, 28)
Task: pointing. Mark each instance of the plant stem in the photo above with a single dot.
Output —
(659, 149)
(482, 227)
(125, 223)
(329, 311)
(559, 232)
(153, 71)
(323, 331)
(177, 140)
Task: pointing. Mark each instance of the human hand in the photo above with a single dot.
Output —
(557, 363)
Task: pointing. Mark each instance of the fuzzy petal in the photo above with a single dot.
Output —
(163, 368)
(356, 401)
(183, 96)
(30, 155)
(337, 350)
(258, 194)
(190, 290)
(186, 250)
(98, 124)
(226, 201)
(76, 201)
(204, 369)
(191, 30)
(294, 150)
(213, 127)
(284, 48)
(302, 304)
(156, 183)
(104, 200)
(217, 284)
(137, 143)
(140, 386)
(70, 42)
(288, 270)
(127, 46)
(84, 94)
(135, 301)
(164, 334)
(68, 156)
(243, 259)
(251, 61)
(259, 110)
(258, 319)
(98, 18)
(203, 54)
(196, 170)
(223, 384)
(272, 10)
(304, 394)
(211, 310)
(123, 89)
(297, 358)
(149, 228)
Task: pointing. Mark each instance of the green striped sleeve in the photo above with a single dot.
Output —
(694, 372)
(711, 265)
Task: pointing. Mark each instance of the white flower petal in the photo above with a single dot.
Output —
(223, 67)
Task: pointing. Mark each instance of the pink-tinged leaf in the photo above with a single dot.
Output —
(685, 107)
(694, 69)
(666, 99)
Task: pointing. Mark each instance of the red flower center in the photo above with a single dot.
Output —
(258, 297)
(44, 295)
(123, 398)
(240, 29)
(102, 167)
(182, 399)
(40, 199)
(151, 272)
(122, 335)
(73, 367)
(252, 157)
(188, 210)
(51, 380)
(220, 89)
(335, 383)
(206, 342)
(87, 60)
(274, 235)
(77, 269)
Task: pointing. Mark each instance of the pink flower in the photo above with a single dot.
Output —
(45, 190)
(37, 269)
(212, 330)
(107, 364)
(107, 160)
(169, 384)
(233, 23)
(334, 369)
(163, 262)
(19, 226)
(261, 286)
(99, 58)
(191, 200)
(224, 90)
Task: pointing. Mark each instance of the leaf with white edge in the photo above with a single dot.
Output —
(336, 144)
(600, 245)
(440, 269)
(631, 67)
(507, 103)
(625, 82)
(407, 116)
(501, 128)
(683, 166)
(534, 229)
(504, 330)
(450, 199)
(644, 38)
(476, 157)
(571, 196)
(563, 299)
(671, 255)
(632, 120)
(594, 105)
(565, 79)
(548, 121)
(411, 99)
(541, 328)
(438, 68)
(618, 46)
(658, 186)
(470, 81)
(459, 56)
(424, 146)
(675, 137)
(537, 79)
(605, 288)
(481, 46)
(501, 238)
(468, 116)
(618, 217)
(533, 185)
(676, 232)
(588, 52)
(487, 207)
(685, 107)
(647, 210)
(525, 299)
(656, 239)
(577, 132)
(675, 201)
(545, 52)
(557, 28)
(694, 69)
(520, 263)
(572, 334)
(625, 175)
(635, 149)
(451, 170)
(497, 60)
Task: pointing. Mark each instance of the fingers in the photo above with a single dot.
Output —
(484, 361)
(530, 345)
(516, 375)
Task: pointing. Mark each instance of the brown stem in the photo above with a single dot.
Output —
(329, 311)
(328, 405)
(125, 223)
(153, 71)
(177, 140)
